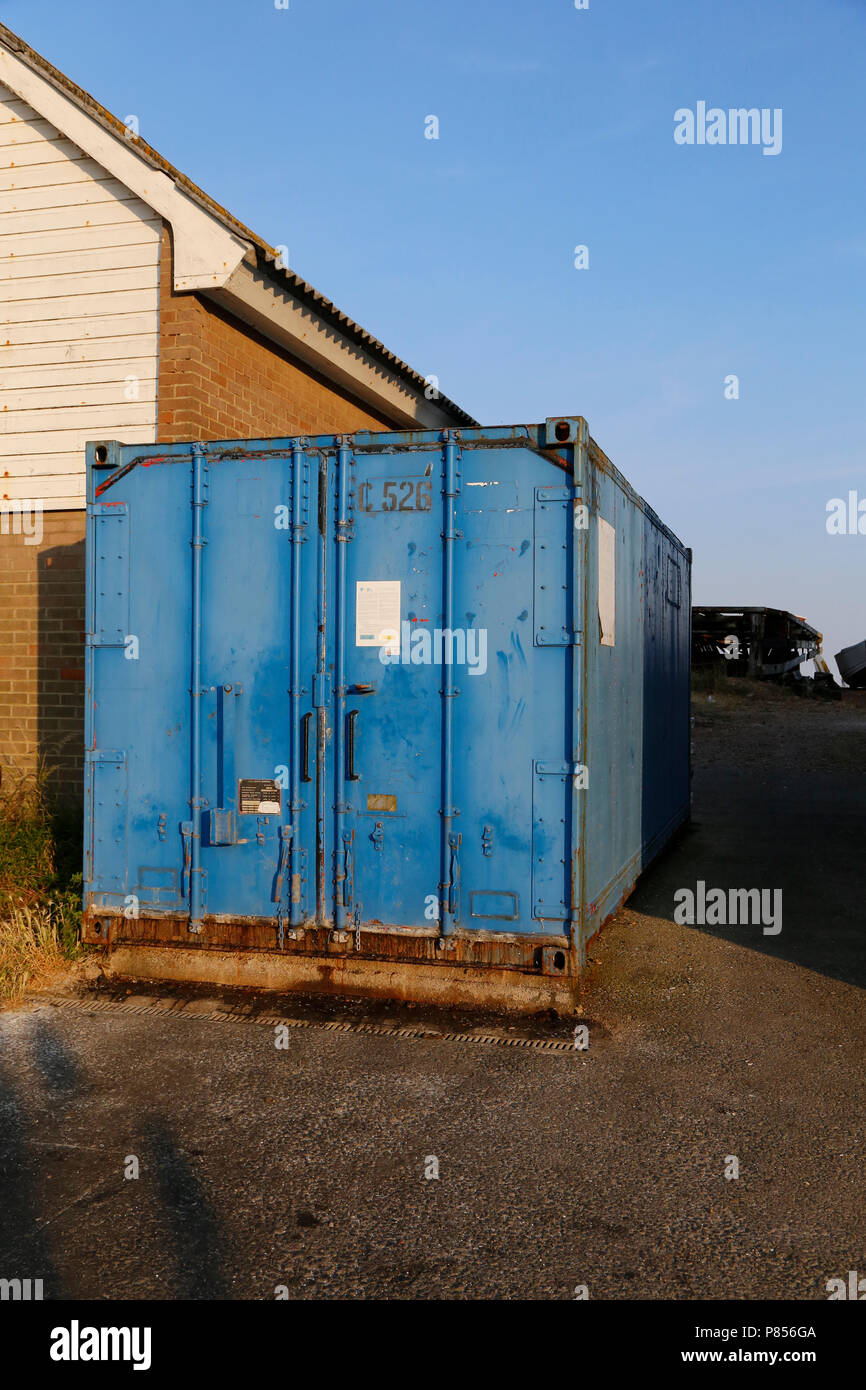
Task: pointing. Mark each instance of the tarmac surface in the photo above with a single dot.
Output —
(306, 1170)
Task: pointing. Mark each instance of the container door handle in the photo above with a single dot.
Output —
(351, 774)
(454, 875)
(305, 741)
(187, 831)
(286, 832)
(344, 871)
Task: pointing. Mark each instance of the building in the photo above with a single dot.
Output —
(134, 308)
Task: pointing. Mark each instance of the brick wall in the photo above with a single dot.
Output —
(219, 379)
(42, 652)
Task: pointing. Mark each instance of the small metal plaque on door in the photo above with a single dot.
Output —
(258, 798)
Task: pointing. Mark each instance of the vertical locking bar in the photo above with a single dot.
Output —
(342, 842)
(199, 469)
(296, 904)
(321, 682)
(450, 491)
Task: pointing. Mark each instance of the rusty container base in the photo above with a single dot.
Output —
(498, 972)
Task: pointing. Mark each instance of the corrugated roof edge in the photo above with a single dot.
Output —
(266, 255)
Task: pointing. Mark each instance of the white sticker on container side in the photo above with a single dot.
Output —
(606, 583)
(377, 614)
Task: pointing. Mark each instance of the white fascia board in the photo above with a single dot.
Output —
(205, 252)
(278, 315)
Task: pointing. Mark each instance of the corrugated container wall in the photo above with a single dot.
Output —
(392, 714)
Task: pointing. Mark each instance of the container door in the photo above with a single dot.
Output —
(455, 739)
(256, 691)
(388, 702)
(259, 653)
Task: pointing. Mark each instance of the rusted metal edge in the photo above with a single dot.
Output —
(501, 951)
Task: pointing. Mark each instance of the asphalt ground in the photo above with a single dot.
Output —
(308, 1169)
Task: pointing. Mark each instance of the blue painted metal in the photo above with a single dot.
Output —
(196, 800)
(449, 838)
(490, 769)
(342, 844)
(296, 910)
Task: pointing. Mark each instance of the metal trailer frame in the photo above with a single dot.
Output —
(768, 641)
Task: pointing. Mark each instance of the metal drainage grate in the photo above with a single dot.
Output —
(172, 1009)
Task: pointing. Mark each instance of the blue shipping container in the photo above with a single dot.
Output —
(397, 714)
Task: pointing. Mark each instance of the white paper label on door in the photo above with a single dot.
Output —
(377, 614)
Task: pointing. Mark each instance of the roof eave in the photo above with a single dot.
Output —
(220, 266)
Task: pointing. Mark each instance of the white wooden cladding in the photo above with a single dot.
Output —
(79, 310)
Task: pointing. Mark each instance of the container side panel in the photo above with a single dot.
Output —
(614, 690)
(637, 684)
(666, 689)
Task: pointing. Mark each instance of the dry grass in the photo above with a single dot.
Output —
(40, 883)
(32, 948)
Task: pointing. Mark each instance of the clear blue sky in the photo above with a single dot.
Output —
(556, 129)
